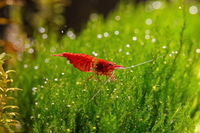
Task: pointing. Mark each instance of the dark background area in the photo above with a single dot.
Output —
(76, 13)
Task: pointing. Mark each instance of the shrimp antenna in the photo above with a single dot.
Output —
(141, 63)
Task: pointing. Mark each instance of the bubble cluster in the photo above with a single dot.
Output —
(155, 5)
(94, 53)
(71, 35)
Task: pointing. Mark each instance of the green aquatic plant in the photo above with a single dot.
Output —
(7, 110)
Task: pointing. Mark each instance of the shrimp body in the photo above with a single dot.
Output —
(87, 63)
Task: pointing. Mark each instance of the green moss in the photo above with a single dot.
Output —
(154, 97)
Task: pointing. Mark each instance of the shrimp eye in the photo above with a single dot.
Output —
(110, 64)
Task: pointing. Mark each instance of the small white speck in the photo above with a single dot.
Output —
(46, 60)
(25, 65)
(198, 50)
(153, 40)
(128, 45)
(31, 50)
(134, 38)
(116, 32)
(148, 21)
(147, 36)
(35, 67)
(99, 36)
(106, 34)
(44, 36)
(41, 30)
(117, 18)
(52, 49)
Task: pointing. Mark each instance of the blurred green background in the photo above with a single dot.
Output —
(161, 96)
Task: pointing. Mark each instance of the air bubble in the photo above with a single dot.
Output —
(147, 31)
(18, 126)
(35, 67)
(52, 49)
(55, 79)
(116, 32)
(106, 34)
(25, 65)
(71, 35)
(153, 40)
(193, 10)
(99, 36)
(127, 53)
(44, 36)
(148, 21)
(46, 60)
(117, 18)
(128, 45)
(27, 45)
(156, 4)
(31, 50)
(198, 50)
(147, 36)
(134, 38)
(94, 53)
(93, 17)
(34, 88)
(41, 30)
